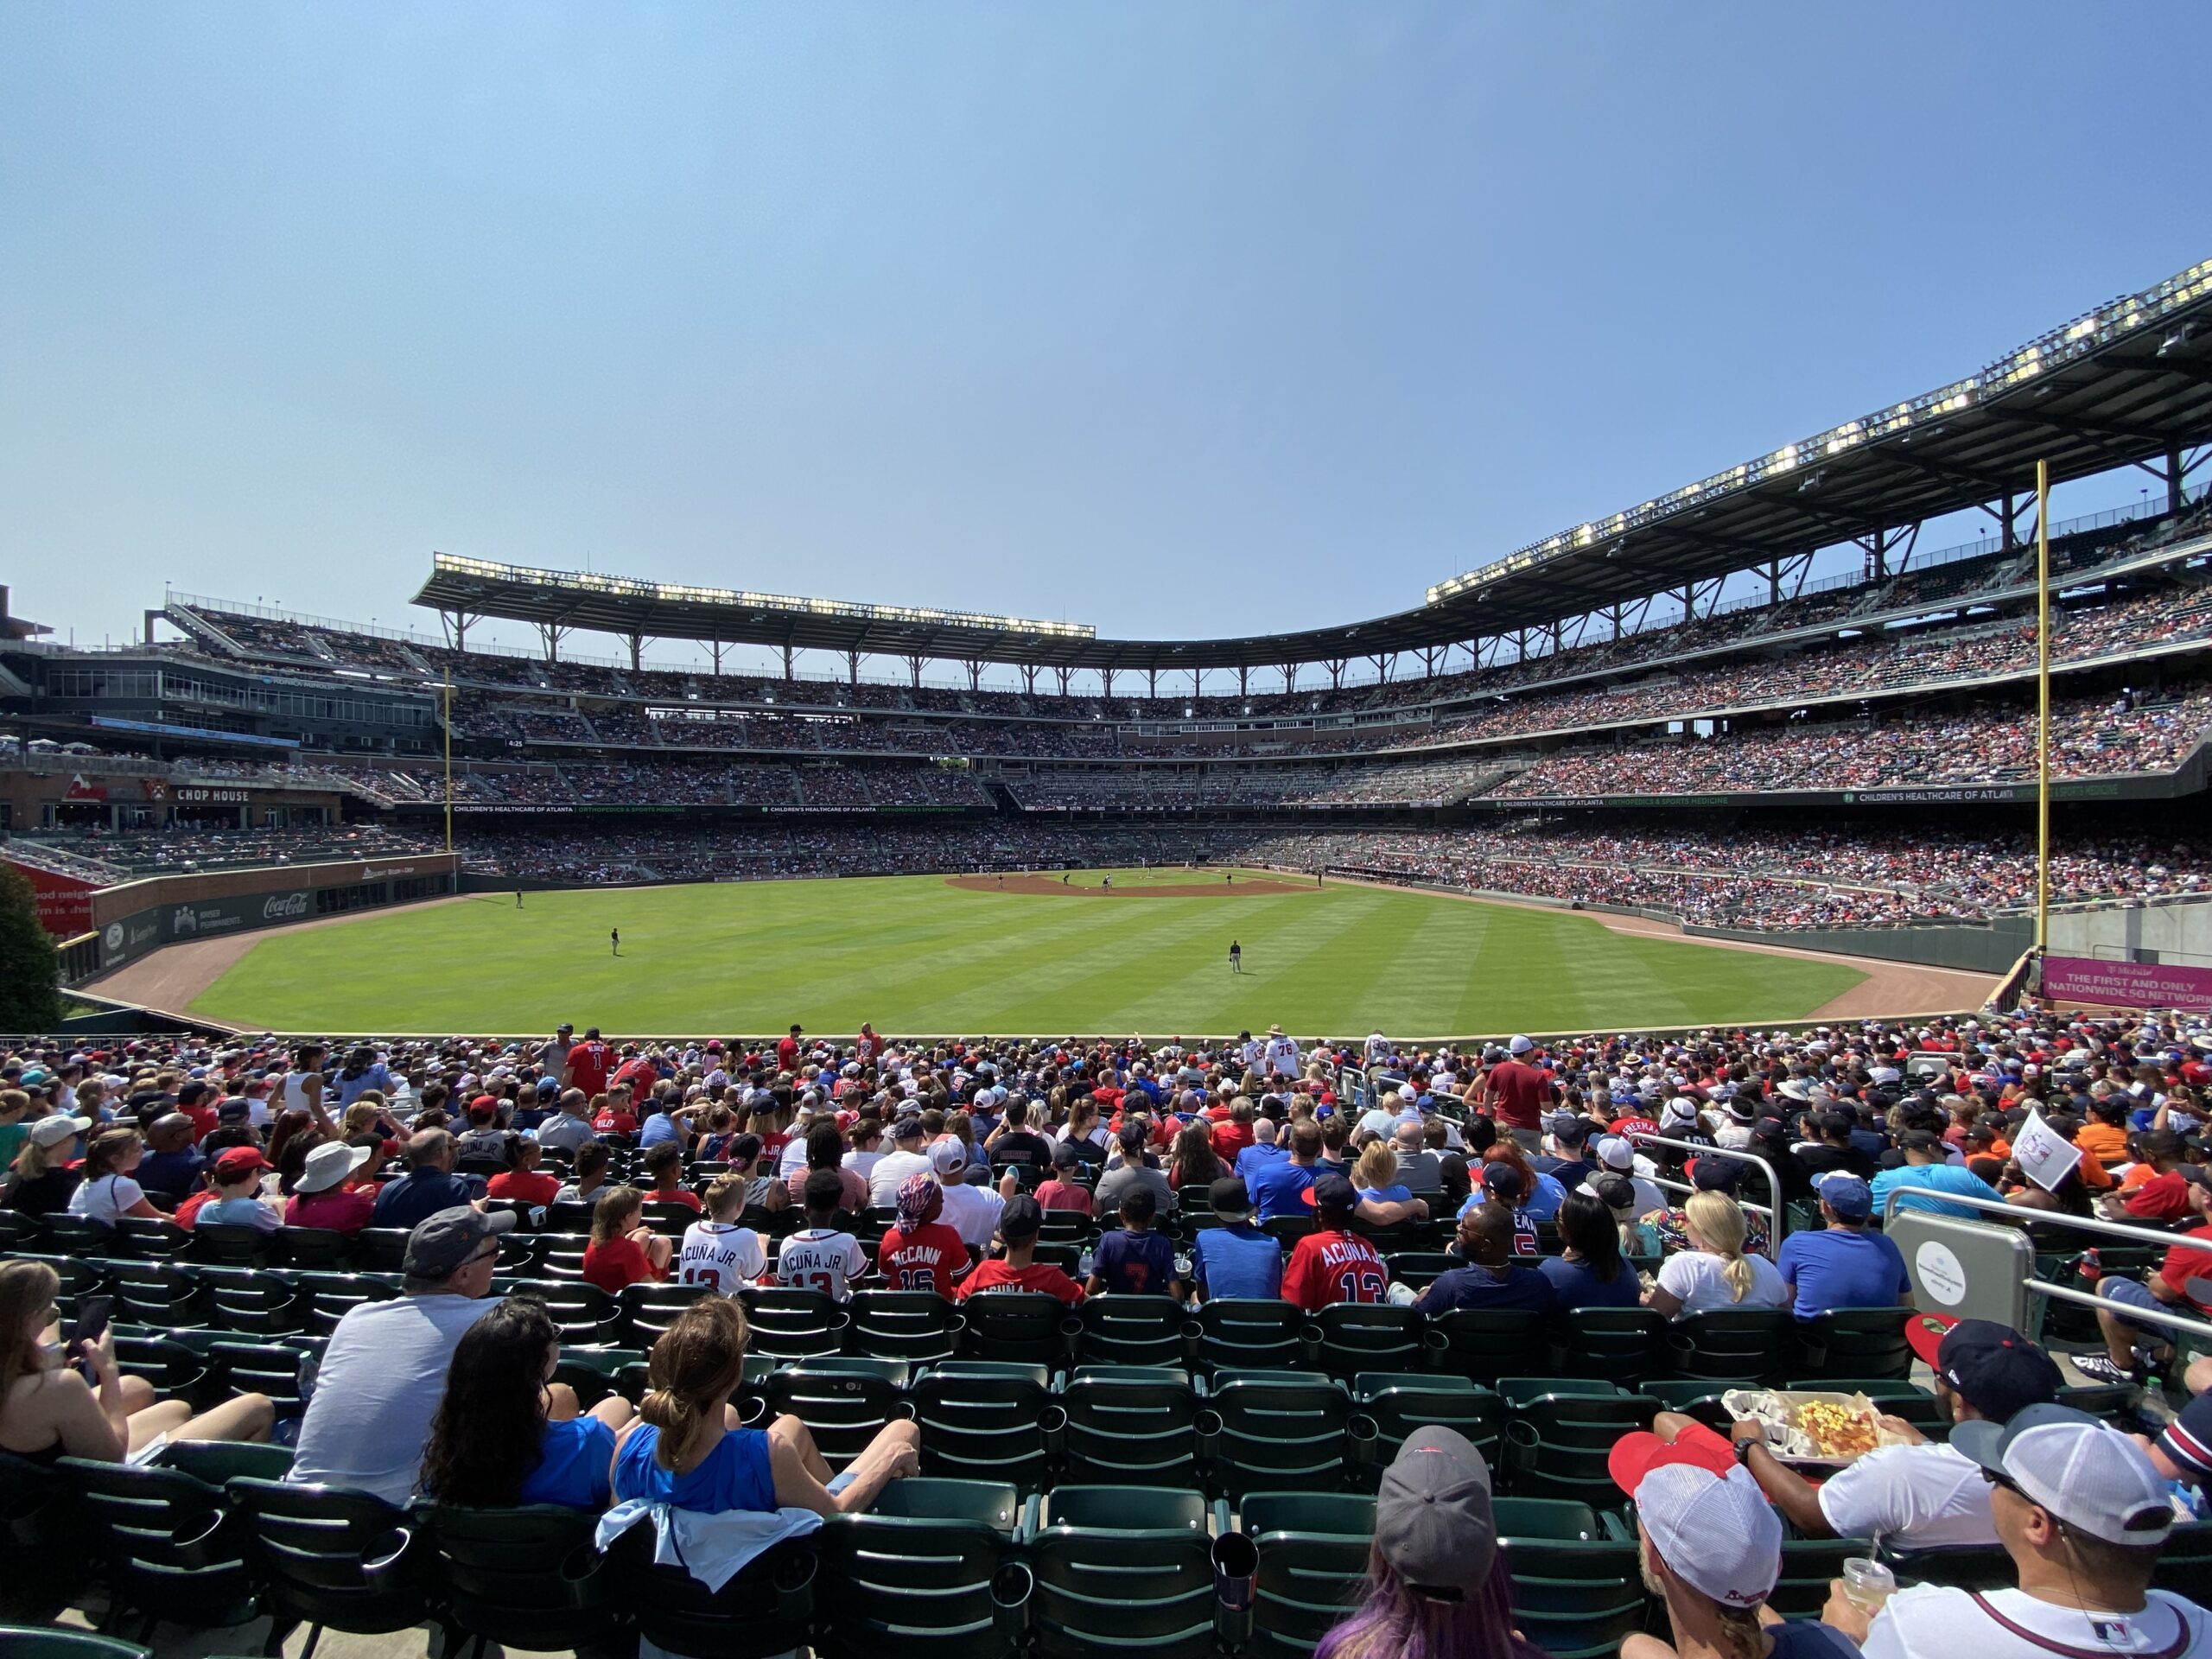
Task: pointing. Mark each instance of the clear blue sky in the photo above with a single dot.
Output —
(1220, 318)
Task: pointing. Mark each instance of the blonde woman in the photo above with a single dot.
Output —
(1384, 1201)
(1714, 1271)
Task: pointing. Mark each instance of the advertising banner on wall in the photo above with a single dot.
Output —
(65, 902)
(2127, 984)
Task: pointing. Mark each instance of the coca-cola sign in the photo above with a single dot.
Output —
(284, 907)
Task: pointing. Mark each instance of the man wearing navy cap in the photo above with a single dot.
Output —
(1845, 1263)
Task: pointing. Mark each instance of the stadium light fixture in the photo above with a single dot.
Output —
(2085, 333)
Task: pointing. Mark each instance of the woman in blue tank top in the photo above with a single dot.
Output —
(686, 1449)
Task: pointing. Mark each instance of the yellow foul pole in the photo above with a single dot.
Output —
(448, 757)
(2043, 706)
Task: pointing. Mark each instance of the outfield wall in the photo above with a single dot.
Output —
(134, 918)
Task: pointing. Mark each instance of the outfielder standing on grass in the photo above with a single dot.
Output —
(614, 938)
(1235, 957)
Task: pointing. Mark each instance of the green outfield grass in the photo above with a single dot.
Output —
(912, 955)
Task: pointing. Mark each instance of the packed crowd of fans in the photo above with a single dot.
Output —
(1722, 1170)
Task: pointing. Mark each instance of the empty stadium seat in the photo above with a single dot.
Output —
(1274, 1430)
(524, 1578)
(1313, 1553)
(1118, 1568)
(1130, 1424)
(986, 1420)
(915, 1575)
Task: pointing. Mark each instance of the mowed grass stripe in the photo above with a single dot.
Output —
(911, 954)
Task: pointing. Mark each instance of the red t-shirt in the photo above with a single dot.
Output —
(1329, 1268)
(787, 1054)
(587, 1064)
(2182, 1268)
(1037, 1275)
(638, 1074)
(2162, 1198)
(1063, 1195)
(531, 1186)
(681, 1195)
(1519, 1093)
(611, 1121)
(1230, 1139)
(618, 1262)
(342, 1210)
(929, 1258)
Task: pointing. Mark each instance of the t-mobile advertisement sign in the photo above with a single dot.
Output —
(65, 902)
(2127, 984)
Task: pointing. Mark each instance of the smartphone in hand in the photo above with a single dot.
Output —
(85, 1331)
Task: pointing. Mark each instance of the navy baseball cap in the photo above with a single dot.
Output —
(1998, 1371)
(1333, 1192)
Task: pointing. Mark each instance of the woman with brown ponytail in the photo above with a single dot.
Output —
(686, 1449)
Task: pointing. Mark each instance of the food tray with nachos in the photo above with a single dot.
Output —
(1809, 1426)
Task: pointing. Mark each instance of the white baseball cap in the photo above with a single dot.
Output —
(1716, 1532)
(1615, 1152)
(1520, 1045)
(948, 1157)
(2085, 1472)
(52, 1131)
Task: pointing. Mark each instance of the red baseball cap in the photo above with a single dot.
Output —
(1637, 1453)
(1925, 1333)
(239, 1161)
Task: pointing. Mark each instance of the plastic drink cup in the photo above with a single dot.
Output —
(1867, 1583)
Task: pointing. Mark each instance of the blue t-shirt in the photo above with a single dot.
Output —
(659, 1130)
(1839, 1267)
(1136, 1264)
(1458, 1287)
(1255, 1158)
(735, 1475)
(1393, 1194)
(574, 1472)
(1231, 1261)
(1542, 1204)
(1282, 1188)
(1577, 1286)
(1934, 1178)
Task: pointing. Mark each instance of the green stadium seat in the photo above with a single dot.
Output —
(845, 1401)
(331, 1559)
(519, 1577)
(986, 1420)
(1120, 1568)
(1129, 1424)
(1736, 1347)
(174, 1551)
(1808, 1566)
(1024, 1327)
(916, 1575)
(1274, 1430)
(52, 1642)
(1483, 1345)
(1133, 1331)
(253, 1302)
(1247, 1333)
(789, 1324)
(649, 1309)
(1855, 1342)
(1575, 1599)
(1557, 1444)
(919, 1326)
(1351, 1338)
(766, 1609)
(1627, 1346)
(1389, 1405)
(1312, 1551)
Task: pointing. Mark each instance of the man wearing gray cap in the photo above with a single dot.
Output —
(384, 1374)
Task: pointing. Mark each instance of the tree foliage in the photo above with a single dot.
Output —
(30, 968)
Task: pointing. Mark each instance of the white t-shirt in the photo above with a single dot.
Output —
(1696, 1279)
(823, 1259)
(863, 1164)
(1378, 1120)
(108, 1198)
(891, 1169)
(972, 1212)
(1282, 1057)
(1932, 1622)
(792, 1161)
(721, 1253)
(1914, 1496)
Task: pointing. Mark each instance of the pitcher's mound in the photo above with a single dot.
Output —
(1251, 886)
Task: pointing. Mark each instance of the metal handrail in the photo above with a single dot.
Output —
(2030, 1218)
(1774, 1215)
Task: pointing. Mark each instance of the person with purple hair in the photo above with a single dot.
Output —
(1436, 1581)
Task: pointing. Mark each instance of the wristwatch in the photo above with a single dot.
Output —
(1743, 1450)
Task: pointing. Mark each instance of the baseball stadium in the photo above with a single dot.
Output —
(1644, 1099)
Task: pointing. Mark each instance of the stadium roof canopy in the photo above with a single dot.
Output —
(2129, 382)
